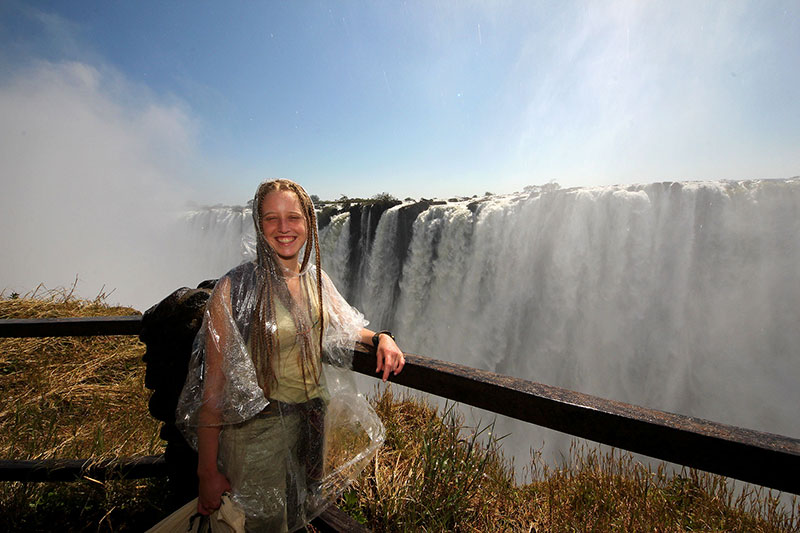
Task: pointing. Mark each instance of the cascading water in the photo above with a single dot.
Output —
(683, 297)
(672, 296)
(222, 237)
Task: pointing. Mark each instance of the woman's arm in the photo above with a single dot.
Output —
(390, 357)
(212, 483)
(347, 326)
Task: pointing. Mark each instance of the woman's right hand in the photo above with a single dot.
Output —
(212, 485)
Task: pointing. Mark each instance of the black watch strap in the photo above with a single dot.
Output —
(376, 337)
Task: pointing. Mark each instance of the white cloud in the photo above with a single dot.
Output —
(93, 170)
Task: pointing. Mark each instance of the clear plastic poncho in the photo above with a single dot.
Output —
(288, 445)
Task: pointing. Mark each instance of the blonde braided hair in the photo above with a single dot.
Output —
(263, 331)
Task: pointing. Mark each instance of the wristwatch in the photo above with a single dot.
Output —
(376, 337)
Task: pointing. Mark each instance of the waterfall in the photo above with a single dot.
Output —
(683, 297)
(219, 238)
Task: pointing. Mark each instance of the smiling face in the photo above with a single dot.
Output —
(284, 226)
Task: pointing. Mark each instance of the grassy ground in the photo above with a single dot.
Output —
(85, 397)
(434, 475)
(74, 398)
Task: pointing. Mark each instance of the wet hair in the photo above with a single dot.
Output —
(263, 332)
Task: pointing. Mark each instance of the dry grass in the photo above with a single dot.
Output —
(74, 397)
(435, 475)
(611, 491)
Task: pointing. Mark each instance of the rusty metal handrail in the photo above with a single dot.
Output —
(72, 469)
(748, 455)
(745, 454)
(71, 327)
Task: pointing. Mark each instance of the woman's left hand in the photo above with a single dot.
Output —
(390, 357)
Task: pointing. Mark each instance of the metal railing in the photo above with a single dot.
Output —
(747, 455)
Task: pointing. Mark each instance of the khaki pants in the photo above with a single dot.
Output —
(268, 460)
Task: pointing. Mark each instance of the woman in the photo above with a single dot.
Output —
(272, 425)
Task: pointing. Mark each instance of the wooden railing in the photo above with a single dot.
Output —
(748, 455)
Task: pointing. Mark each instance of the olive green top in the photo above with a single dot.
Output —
(291, 386)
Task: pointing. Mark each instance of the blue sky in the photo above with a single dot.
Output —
(205, 99)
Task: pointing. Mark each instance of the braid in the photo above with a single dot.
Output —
(264, 340)
(318, 264)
